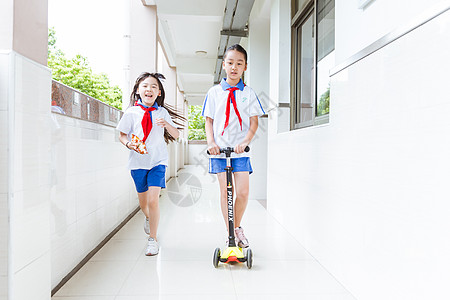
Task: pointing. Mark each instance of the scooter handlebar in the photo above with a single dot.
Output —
(229, 149)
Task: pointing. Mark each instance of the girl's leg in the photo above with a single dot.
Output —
(153, 205)
(241, 183)
(143, 202)
(222, 178)
(149, 203)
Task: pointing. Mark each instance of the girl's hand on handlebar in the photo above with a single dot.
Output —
(240, 148)
(213, 149)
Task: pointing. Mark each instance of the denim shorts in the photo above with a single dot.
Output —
(239, 164)
(144, 178)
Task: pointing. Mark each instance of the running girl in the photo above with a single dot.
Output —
(145, 128)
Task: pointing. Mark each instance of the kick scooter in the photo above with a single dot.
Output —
(232, 253)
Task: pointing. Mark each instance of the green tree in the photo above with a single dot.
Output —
(324, 103)
(77, 73)
(196, 130)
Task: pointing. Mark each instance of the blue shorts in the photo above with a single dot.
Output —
(144, 178)
(239, 164)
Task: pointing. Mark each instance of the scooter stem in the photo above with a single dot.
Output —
(228, 170)
(230, 215)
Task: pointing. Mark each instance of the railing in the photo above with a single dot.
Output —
(73, 103)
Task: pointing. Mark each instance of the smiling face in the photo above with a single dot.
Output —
(234, 65)
(148, 90)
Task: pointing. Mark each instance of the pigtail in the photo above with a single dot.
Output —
(177, 118)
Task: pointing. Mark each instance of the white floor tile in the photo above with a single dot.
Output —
(117, 250)
(133, 230)
(98, 279)
(284, 277)
(296, 297)
(181, 278)
(85, 298)
(187, 235)
(178, 297)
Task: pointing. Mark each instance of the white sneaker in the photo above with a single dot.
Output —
(152, 247)
(146, 226)
(240, 237)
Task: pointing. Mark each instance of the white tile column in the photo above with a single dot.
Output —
(180, 108)
(25, 93)
(170, 88)
(280, 64)
(258, 78)
(140, 43)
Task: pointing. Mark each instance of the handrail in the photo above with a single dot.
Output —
(72, 103)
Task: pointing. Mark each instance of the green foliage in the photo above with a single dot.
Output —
(196, 130)
(324, 103)
(77, 73)
(51, 41)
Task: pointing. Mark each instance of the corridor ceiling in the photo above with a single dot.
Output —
(192, 32)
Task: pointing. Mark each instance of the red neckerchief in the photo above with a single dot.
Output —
(227, 112)
(147, 122)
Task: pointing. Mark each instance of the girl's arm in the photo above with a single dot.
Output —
(123, 138)
(212, 146)
(172, 130)
(250, 134)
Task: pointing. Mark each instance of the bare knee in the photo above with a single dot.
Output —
(153, 203)
(242, 194)
(223, 196)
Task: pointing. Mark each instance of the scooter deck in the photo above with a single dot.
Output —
(232, 254)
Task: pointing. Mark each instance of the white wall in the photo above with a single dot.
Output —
(379, 18)
(92, 191)
(25, 187)
(197, 154)
(367, 193)
(24, 106)
(4, 225)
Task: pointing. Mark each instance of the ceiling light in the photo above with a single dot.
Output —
(201, 53)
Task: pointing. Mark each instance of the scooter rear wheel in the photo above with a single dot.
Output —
(249, 258)
(216, 257)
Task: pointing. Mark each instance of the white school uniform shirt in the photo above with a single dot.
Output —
(215, 105)
(156, 146)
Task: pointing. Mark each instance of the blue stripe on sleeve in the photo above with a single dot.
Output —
(204, 105)
(260, 104)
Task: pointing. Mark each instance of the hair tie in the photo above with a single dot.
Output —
(159, 75)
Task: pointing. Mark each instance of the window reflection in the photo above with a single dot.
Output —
(306, 97)
(325, 54)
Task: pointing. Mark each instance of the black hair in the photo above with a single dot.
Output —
(238, 48)
(134, 97)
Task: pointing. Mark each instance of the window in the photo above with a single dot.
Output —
(312, 59)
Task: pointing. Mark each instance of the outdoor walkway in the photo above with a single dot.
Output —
(191, 227)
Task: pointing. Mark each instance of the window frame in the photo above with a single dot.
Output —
(299, 16)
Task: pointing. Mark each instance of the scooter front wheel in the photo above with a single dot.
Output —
(216, 257)
(249, 258)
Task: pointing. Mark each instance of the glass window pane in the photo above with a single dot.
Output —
(323, 84)
(325, 28)
(305, 78)
(325, 54)
(297, 5)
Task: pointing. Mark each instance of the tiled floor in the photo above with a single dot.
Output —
(190, 229)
